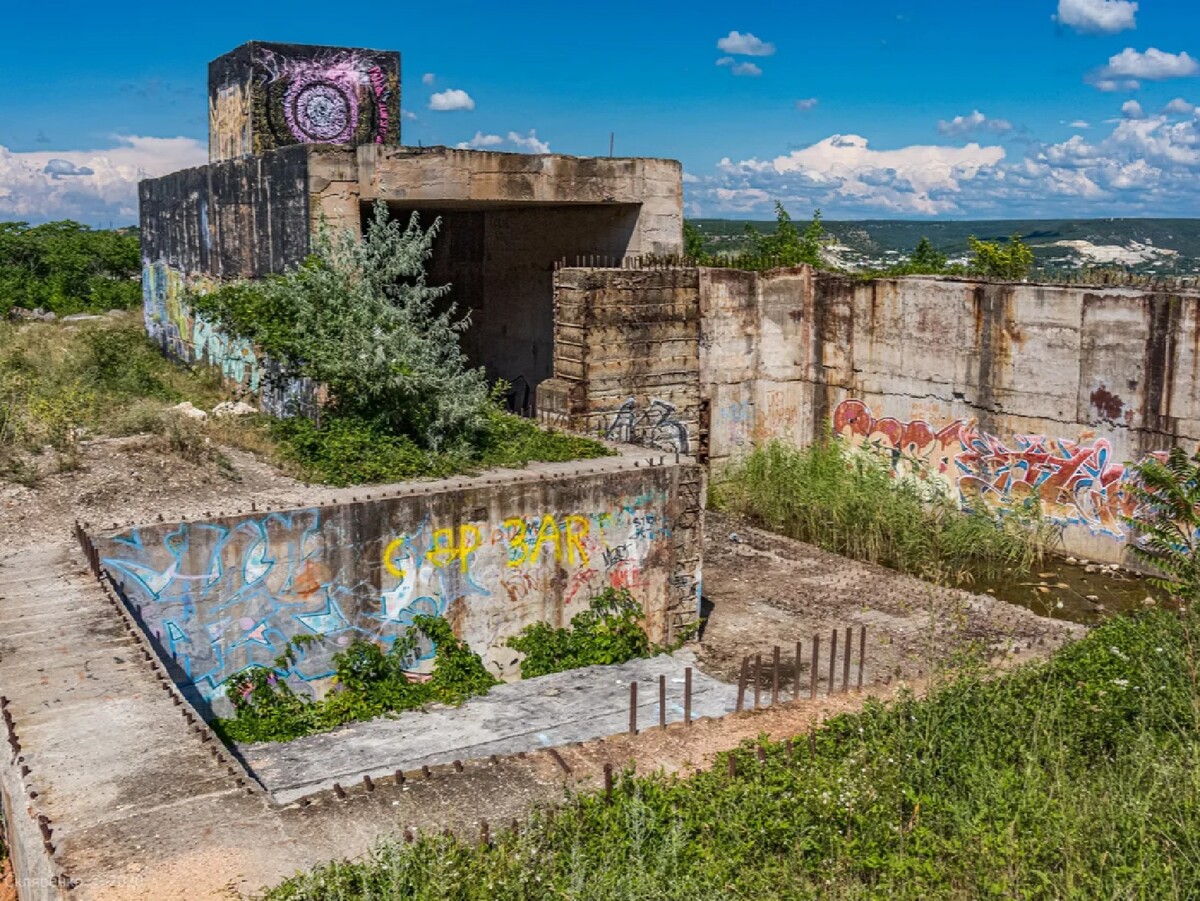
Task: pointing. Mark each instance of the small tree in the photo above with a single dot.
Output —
(926, 259)
(1012, 261)
(1166, 522)
(693, 243)
(787, 245)
(359, 318)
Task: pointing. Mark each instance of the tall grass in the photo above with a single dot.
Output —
(852, 504)
(1077, 778)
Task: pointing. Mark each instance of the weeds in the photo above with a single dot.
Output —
(370, 682)
(1075, 778)
(852, 504)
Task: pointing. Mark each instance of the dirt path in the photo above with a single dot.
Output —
(767, 590)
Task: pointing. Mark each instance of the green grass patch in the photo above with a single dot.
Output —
(852, 504)
(350, 450)
(1076, 778)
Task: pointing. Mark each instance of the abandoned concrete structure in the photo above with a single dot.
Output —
(301, 134)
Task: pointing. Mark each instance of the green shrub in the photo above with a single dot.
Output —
(609, 631)
(851, 503)
(370, 682)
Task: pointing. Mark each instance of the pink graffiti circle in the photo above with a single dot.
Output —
(321, 111)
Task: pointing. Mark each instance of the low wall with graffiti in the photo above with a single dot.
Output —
(222, 595)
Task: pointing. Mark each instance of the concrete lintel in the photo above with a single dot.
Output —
(444, 174)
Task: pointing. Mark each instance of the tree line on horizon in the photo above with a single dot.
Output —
(66, 267)
(789, 245)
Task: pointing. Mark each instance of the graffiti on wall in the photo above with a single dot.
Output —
(187, 336)
(331, 97)
(655, 426)
(229, 122)
(222, 597)
(1072, 482)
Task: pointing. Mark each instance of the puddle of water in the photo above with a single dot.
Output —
(1079, 592)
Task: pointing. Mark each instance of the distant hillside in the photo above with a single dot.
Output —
(1167, 246)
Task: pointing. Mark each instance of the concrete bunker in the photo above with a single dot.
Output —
(302, 134)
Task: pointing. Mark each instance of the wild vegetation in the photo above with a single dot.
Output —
(359, 319)
(851, 503)
(1077, 778)
(369, 682)
(63, 383)
(64, 267)
(609, 631)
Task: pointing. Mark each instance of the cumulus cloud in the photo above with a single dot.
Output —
(428, 78)
(1097, 16)
(1131, 109)
(528, 143)
(450, 100)
(807, 105)
(1179, 107)
(746, 68)
(745, 45)
(1129, 68)
(1079, 123)
(93, 186)
(480, 141)
(1148, 165)
(975, 121)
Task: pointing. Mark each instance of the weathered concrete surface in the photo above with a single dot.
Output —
(492, 554)
(627, 356)
(550, 711)
(998, 393)
(263, 96)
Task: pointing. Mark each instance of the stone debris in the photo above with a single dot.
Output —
(234, 408)
(188, 409)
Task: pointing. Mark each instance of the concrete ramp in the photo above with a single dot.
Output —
(530, 715)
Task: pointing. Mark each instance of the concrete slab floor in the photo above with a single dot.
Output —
(550, 711)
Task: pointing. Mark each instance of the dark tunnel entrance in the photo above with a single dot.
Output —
(499, 260)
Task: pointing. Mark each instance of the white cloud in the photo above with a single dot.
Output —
(452, 99)
(1079, 123)
(93, 186)
(529, 143)
(807, 105)
(1131, 109)
(1179, 107)
(746, 68)
(1145, 166)
(1127, 69)
(1097, 16)
(408, 114)
(745, 45)
(480, 141)
(975, 121)
(428, 78)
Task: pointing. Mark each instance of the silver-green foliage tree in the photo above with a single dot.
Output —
(360, 319)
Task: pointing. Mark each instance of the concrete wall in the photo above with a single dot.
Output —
(627, 362)
(229, 593)
(996, 392)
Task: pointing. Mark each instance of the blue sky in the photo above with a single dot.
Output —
(868, 109)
